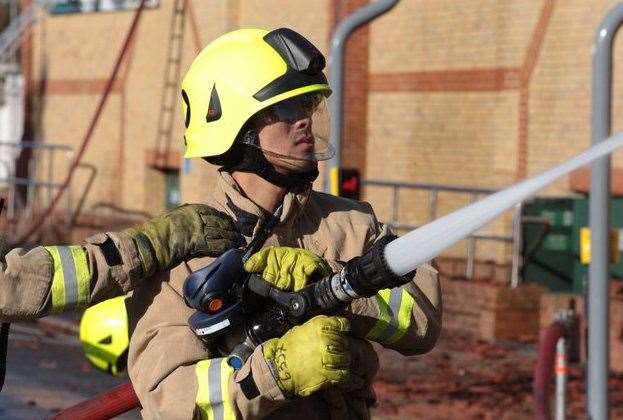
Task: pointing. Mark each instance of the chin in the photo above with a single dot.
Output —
(288, 166)
(304, 166)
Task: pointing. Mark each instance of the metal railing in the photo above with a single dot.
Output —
(44, 155)
(433, 199)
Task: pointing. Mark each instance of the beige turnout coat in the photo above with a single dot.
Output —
(174, 374)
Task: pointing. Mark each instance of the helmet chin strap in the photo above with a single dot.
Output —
(251, 159)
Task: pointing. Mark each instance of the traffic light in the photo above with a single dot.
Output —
(350, 183)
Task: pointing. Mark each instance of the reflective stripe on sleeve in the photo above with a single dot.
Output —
(71, 277)
(213, 400)
(395, 308)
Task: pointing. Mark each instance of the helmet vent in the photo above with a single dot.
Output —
(106, 340)
(298, 53)
(304, 63)
(187, 102)
(214, 109)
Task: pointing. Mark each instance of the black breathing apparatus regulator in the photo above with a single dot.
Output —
(227, 297)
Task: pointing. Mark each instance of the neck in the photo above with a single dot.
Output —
(266, 195)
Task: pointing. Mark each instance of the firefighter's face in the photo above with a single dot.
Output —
(289, 136)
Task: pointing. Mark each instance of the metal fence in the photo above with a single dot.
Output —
(473, 194)
(40, 185)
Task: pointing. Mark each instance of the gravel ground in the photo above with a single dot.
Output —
(469, 379)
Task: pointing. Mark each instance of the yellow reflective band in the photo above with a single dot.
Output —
(70, 278)
(58, 283)
(83, 276)
(395, 308)
(404, 317)
(226, 372)
(213, 401)
(382, 299)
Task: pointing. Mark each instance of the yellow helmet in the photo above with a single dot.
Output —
(239, 74)
(104, 335)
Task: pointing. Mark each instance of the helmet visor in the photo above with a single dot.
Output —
(294, 132)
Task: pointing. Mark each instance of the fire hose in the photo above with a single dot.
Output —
(114, 402)
(404, 254)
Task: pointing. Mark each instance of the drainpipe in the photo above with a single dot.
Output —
(561, 373)
(544, 368)
(557, 347)
(599, 220)
(336, 78)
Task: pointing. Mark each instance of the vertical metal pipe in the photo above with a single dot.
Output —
(11, 198)
(336, 77)
(31, 190)
(517, 245)
(471, 256)
(50, 174)
(395, 204)
(599, 220)
(68, 213)
(432, 205)
(561, 379)
(471, 246)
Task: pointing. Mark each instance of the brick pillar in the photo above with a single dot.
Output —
(354, 136)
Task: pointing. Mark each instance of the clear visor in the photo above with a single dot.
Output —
(294, 132)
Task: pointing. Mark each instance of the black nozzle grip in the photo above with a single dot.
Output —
(369, 274)
(296, 303)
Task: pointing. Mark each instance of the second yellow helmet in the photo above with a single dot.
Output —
(104, 335)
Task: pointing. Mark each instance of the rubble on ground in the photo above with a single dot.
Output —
(471, 379)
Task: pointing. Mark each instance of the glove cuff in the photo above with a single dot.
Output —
(278, 367)
(258, 370)
(146, 252)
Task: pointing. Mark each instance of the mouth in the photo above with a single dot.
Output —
(307, 139)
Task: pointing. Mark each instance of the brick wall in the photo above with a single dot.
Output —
(478, 93)
(491, 311)
(449, 92)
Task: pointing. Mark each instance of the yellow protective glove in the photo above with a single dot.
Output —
(316, 355)
(287, 268)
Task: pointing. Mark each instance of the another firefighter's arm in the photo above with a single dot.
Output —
(49, 279)
(175, 376)
(60, 278)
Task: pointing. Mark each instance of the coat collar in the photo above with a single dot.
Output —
(248, 214)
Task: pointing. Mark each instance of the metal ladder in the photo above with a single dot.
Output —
(170, 86)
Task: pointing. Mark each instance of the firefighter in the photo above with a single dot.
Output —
(254, 105)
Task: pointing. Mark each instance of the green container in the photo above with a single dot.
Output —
(553, 260)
